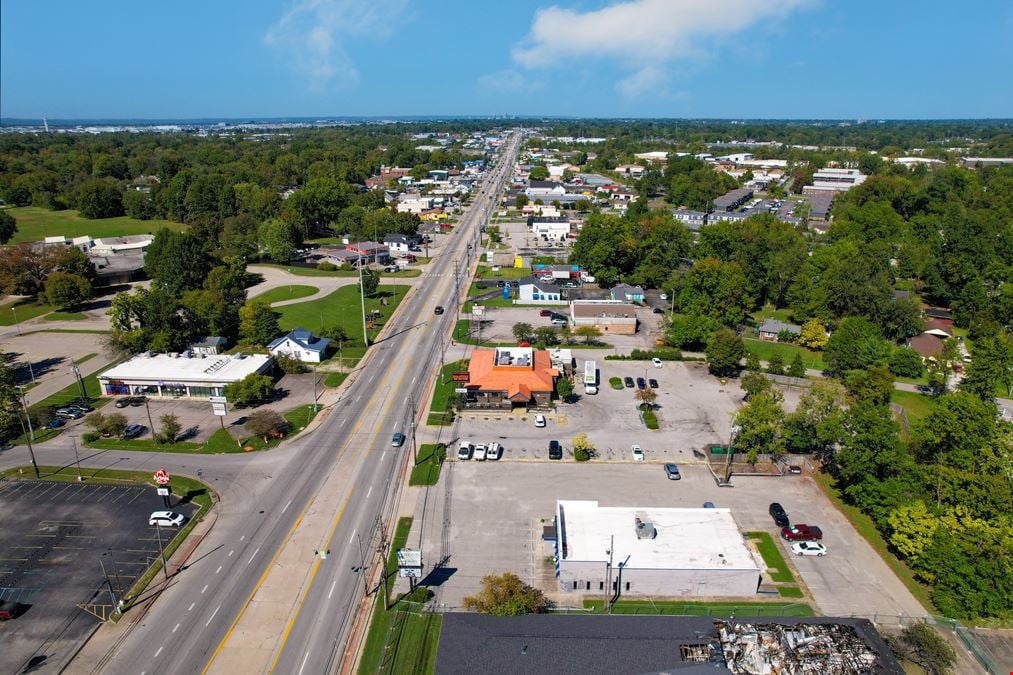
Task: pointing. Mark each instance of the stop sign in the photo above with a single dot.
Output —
(161, 477)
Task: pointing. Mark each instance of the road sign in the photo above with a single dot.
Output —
(161, 477)
(162, 491)
(217, 399)
(219, 409)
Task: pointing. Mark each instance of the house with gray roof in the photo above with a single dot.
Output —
(770, 329)
(532, 290)
(627, 293)
(301, 345)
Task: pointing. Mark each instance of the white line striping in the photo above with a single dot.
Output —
(286, 506)
(212, 616)
(242, 537)
(352, 537)
(331, 592)
(191, 606)
(218, 570)
(159, 651)
(231, 552)
(203, 589)
(369, 492)
(303, 662)
(253, 556)
(176, 628)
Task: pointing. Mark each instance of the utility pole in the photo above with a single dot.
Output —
(151, 424)
(161, 551)
(608, 576)
(77, 458)
(362, 566)
(80, 382)
(31, 371)
(411, 409)
(109, 584)
(362, 298)
(24, 405)
(28, 440)
(383, 562)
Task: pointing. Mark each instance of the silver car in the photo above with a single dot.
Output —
(672, 471)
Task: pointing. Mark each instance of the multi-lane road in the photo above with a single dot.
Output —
(264, 499)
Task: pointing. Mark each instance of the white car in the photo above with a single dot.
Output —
(663, 296)
(808, 548)
(494, 452)
(166, 519)
(479, 454)
(539, 420)
(656, 361)
(464, 450)
(638, 453)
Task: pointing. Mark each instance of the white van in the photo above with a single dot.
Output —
(494, 452)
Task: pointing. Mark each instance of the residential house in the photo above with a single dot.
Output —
(733, 199)
(771, 329)
(533, 291)
(370, 251)
(301, 345)
(402, 243)
(927, 345)
(693, 220)
(941, 329)
(940, 313)
(510, 376)
(609, 316)
(627, 293)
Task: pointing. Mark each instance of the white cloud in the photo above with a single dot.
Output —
(643, 35)
(508, 81)
(310, 36)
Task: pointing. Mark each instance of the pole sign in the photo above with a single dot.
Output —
(161, 477)
(461, 376)
(409, 563)
(162, 491)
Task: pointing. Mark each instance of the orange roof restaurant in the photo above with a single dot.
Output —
(508, 377)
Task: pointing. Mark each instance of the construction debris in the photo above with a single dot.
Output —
(796, 649)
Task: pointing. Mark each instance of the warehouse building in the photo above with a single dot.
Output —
(180, 375)
(662, 552)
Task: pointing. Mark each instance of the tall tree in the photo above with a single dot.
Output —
(724, 352)
(177, 261)
(8, 226)
(258, 323)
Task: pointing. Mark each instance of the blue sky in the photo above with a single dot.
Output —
(635, 58)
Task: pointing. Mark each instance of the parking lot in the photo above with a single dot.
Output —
(499, 323)
(55, 538)
(497, 510)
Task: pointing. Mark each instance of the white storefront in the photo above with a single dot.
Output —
(180, 375)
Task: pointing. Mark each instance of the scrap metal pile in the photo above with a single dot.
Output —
(799, 649)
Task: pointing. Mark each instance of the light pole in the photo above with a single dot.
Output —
(16, 323)
(24, 405)
(31, 371)
(28, 440)
(362, 298)
(161, 551)
(77, 458)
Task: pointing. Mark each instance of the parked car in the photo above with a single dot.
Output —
(809, 548)
(779, 515)
(494, 452)
(69, 413)
(628, 381)
(638, 453)
(464, 450)
(641, 383)
(559, 322)
(81, 405)
(555, 450)
(438, 310)
(672, 472)
(500, 283)
(653, 383)
(656, 361)
(166, 519)
(479, 454)
(708, 505)
(397, 440)
(123, 402)
(133, 431)
(539, 420)
(801, 532)
(545, 312)
(137, 401)
(795, 468)
(658, 310)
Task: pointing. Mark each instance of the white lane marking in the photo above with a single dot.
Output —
(253, 556)
(383, 456)
(191, 606)
(159, 651)
(212, 616)
(303, 662)
(286, 506)
(176, 628)
(218, 570)
(231, 552)
(331, 592)
(369, 491)
(242, 537)
(203, 589)
(352, 537)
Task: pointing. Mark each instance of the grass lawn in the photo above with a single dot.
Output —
(35, 224)
(221, 442)
(777, 567)
(290, 292)
(334, 379)
(770, 312)
(790, 592)
(146, 445)
(917, 406)
(650, 419)
(297, 419)
(342, 307)
(443, 390)
(72, 392)
(867, 529)
(485, 272)
(24, 310)
(678, 608)
(427, 470)
(65, 316)
(765, 349)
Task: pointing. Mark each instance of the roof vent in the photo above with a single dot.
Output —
(645, 530)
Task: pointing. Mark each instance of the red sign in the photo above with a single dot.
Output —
(463, 376)
(161, 477)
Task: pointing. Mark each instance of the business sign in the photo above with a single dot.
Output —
(461, 390)
(162, 491)
(477, 310)
(217, 399)
(219, 409)
(461, 376)
(409, 563)
(161, 477)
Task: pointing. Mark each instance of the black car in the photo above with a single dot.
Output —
(133, 431)
(82, 405)
(779, 515)
(123, 402)
(628, 381)
(438, 310)
(653, 383)
(555, 450)
(641, 383)
(137, 401)
(500, 283)
(658, 310)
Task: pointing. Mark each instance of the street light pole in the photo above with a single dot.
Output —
(161, 551)
(24, 405)
(28, 440)
(362, 298)
(77, 458)
(16, 322)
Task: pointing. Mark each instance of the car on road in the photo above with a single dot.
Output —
(464, 450)
(69, 413)
(653, 383)
(795, 468)
(494, 452)
(438, 310)
(123, 402)
(801, 532)
(641, 383)
(397, 440)
(555, 450)
(672, 472)
(133, 431)
(808, 548)
(166, 519)
(479, 454)
(656, 361)
(638, 453)
(779, 515)
(539, 420)
(628, 381)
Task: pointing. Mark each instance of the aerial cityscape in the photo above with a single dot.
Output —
(627, 336)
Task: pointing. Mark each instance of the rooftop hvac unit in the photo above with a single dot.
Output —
(645, 530)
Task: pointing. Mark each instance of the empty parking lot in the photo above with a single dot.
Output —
(55, 539)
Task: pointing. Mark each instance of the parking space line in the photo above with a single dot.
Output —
(176, 628)
(231, 552)
(140, 493)
(159, 651)
(212, 616)
(65, 488)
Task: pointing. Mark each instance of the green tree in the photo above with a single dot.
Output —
(963, 431)
(8, 226)
(797, 367)
(855, 345)
(905, 362)
(168, 429)
(582, 448)
(177, 261)
(336, 333)
(139, 205)
(115, 424)
(724, 352)
(646, 397)
(258, 323)
(816, 425)
(754, 382)
(929, 649)
(370, 282)
(991, 367)
(506, 595)
(691, 332)
(753, 362)
(564, 389)
(254, 388)
(98, 198)
(874, 385)
(775, 364)
(759, 423)
(814, 335)
(523, 332)
(546, 335)
(715, 289)
(589, 333)
(520, 201)
(871, 460)
(66, 291)
(538, 173)
(264, 422)
(278, 240)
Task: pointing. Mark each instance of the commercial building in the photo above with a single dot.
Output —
(370, 251)
(180, 375)
(662, 552)
(510, 376)
(834, 180)
(533, 291)
(627, 293)
(608, 316)
(733, 199)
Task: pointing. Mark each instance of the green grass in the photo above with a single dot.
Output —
(72, 392)
(867, 528)
(777, 566)
(650, 419)
(917, 406)
(297, 419)
(86, 357)
(333, 379)
(679, 608)
(460, 334)
(65, 316)
(342, 307)
(765, 349)
(770, 312)
(35, 224)
(790, 592)
(427, 470)
(485, 272)
(443, 390)
(146, 445)
(314, 272)
(291, 292)
(24, 310)
(221, 442)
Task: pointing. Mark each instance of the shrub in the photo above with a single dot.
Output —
(327, 267)
(581, 455)
(89, 437)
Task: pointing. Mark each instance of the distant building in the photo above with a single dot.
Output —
(301, 345)
(693, 220)
(533, 291)
(733, 199)
(371, 251)
(608, 316)
(627, 293)
(402, 243)
(834, 180)
(510, 376)
(180, 375)
(771, 329)
(209, 346)
(972, 162)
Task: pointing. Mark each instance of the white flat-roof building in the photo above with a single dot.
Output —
(835, 180)
(663, 551)
(180, 375)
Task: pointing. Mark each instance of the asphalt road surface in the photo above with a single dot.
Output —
(262, 498)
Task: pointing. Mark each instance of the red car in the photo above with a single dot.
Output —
(801, 532)
(545, 312)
